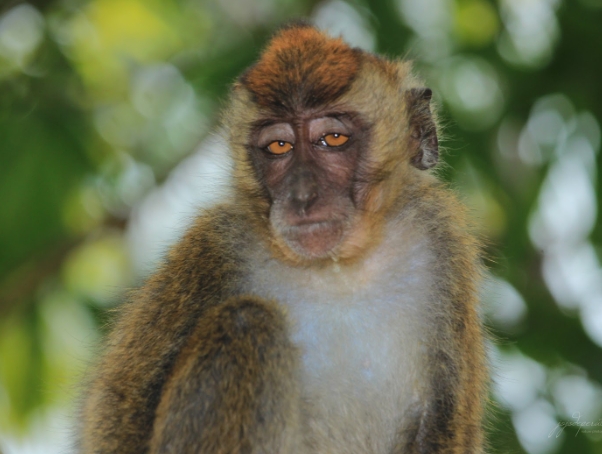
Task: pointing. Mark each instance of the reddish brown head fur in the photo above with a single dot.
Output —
(302, 68)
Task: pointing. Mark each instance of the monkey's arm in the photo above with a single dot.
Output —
(450, 419)
(120, 403)
(233, 388)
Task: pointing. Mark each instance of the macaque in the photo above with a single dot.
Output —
(331, 304)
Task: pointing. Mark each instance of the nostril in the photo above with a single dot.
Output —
(302, 198)
(306, 196)
(302, 201)
(308, 201)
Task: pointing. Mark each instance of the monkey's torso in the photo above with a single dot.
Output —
(361, 331)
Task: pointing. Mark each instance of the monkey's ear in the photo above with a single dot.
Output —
(423, 131)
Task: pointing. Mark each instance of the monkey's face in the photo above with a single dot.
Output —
(324, 127)
(308, 166)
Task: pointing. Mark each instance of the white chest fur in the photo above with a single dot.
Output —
(361, 331)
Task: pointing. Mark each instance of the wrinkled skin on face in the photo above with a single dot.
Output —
(308, 164)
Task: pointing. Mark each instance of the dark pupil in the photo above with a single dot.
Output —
(336, 135)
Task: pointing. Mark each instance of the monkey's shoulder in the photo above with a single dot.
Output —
(437, 210)
(202, 268)
(221, 229)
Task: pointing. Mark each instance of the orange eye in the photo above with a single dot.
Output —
(280, 147)
(335, 140)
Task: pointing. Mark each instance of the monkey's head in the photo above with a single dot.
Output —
(325, 137)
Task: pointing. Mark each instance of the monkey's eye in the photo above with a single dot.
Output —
(280, 147)
(334, 140)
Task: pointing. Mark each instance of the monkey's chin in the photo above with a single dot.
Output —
(314, 240)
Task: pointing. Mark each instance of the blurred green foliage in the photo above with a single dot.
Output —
(100, 101)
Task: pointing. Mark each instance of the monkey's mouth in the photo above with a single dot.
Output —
(315, 239)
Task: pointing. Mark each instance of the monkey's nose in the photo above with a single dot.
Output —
(303, 193)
